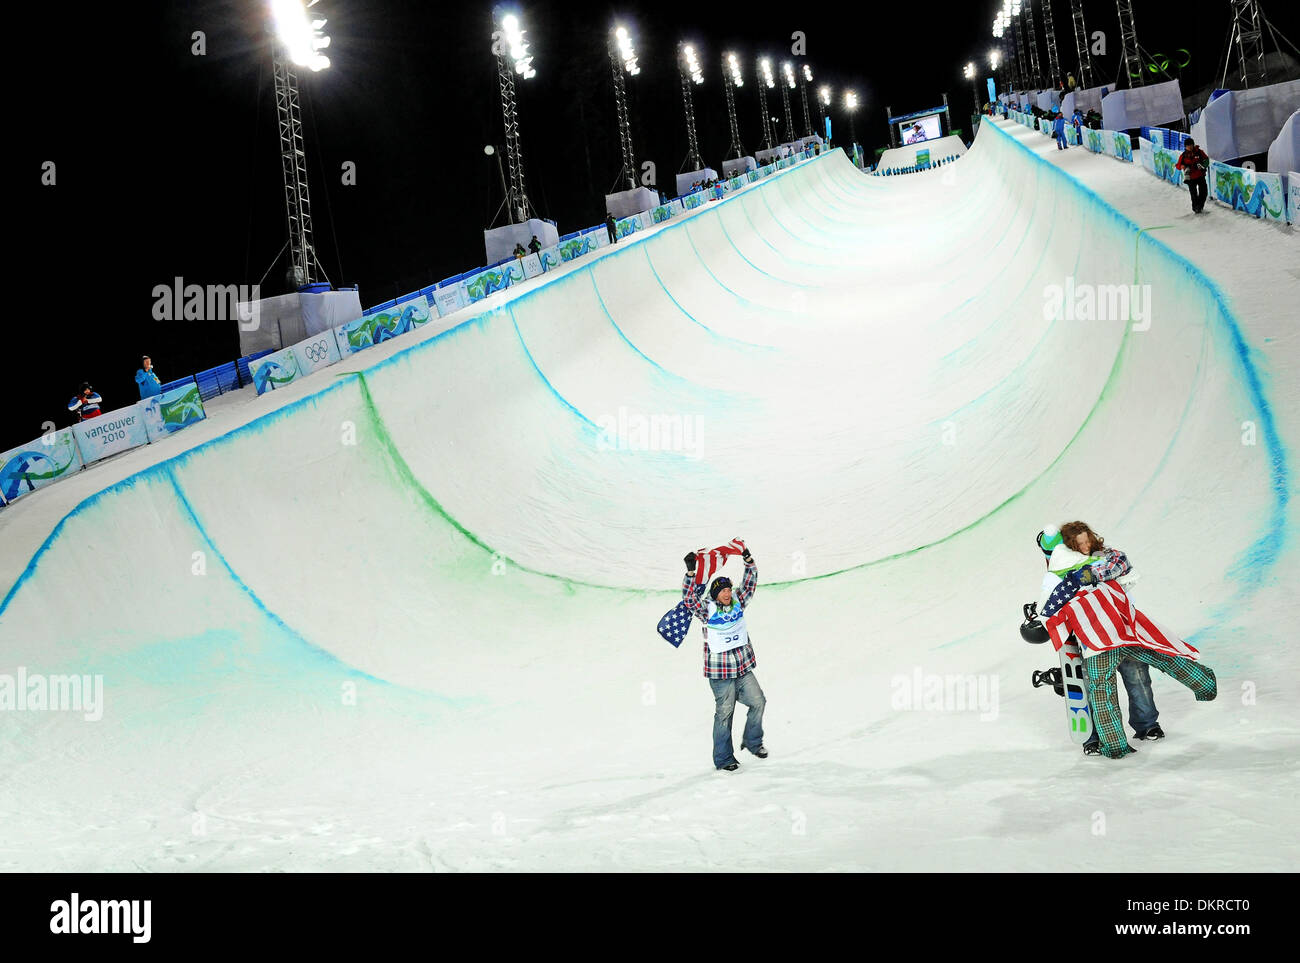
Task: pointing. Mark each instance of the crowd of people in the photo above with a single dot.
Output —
(914, 168)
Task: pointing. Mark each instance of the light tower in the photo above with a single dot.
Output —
(787, 72)
(851, 105)
(513, 59)
(823, 101)
(765, 83)
(969, 73)
(732, 77)
(688, 66)
(1250, 42)
(1049, 37)
(298, 42)
(1022, 56)
(995, 59)
(1129, 43)
(622, 59)
(1032, 37)
(803, 94)
(1082, 47)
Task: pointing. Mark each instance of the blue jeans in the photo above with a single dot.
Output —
(726, 693)
(1142, 712)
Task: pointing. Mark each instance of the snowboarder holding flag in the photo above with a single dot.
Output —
(728, 656)
(1084, 595)
(1143, 715)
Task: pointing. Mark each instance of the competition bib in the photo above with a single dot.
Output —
(726, 630)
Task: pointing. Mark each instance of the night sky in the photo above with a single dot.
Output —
(168, 163)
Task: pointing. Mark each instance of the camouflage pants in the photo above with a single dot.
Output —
(1103, 694)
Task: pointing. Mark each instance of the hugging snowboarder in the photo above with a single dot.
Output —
(1084, 599)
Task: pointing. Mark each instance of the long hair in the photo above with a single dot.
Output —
(1071, 531)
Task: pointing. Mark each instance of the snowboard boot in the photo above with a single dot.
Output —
(760, 752)
(1155, 732)
(729, 767)
(1092, 748)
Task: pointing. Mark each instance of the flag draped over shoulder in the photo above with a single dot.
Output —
(706, 563)
(1104, 618)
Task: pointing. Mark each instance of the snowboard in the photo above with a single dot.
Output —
(1075, 679)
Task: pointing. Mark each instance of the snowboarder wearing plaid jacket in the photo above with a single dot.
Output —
(1110, 630)
(729, 661)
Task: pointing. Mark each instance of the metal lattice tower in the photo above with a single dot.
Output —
(293, 162)
(762, 106)
(516, 194)
(789, 118)
(821, 116)
(1049, 37)
(1250, 42)
(692, 143)
(1037, 79)
(1022, 64)
(807, 118)
(628, 172)
(1081, 44)
(737, 149)
(1129, 44)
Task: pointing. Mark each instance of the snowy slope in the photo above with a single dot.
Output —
(406, 619)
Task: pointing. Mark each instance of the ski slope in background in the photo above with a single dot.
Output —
(406, 619)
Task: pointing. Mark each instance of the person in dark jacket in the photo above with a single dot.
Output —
(535, 245)
(85, 402)
(609, 226)
(147, 380)
(1194, 162)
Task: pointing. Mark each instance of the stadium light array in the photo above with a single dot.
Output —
(692, 64)
(301, 37)
(623, 41)
(733, 65)
(517, 46)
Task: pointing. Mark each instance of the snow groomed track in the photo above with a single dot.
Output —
(407, 622)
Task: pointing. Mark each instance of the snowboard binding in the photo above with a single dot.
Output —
(1050, 677)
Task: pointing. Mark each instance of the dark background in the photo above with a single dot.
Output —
(168, 163)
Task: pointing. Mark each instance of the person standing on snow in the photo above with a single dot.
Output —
(1195, 162)
(1058, 128)
(1088, 601)
(728, 658)
(1143, 716)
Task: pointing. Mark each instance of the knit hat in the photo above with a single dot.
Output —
(1048, 539)
(719, 583)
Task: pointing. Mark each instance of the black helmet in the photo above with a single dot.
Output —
(1032, 630)
(719, 583)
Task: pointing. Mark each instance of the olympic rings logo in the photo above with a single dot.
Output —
(317, 351)
(1160, 63)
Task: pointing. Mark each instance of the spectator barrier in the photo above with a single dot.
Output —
(1261, 194)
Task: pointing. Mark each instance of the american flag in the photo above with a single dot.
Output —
(708, 562)
(675, 625)
(1104, 618)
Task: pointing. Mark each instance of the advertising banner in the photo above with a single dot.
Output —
(39, 463)
(576, 247)
(176, 409)
(111, 433)
(453, 297)
(1293, 197)
(382, 325)
(488, 282)
(274, 370)
(316, 353)
(533, 265)
(1257, 193)
(549, 257)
